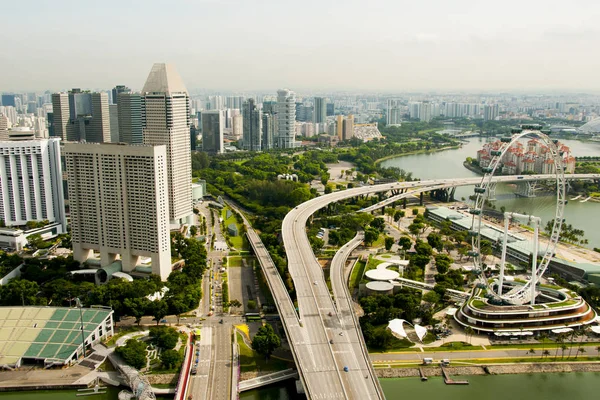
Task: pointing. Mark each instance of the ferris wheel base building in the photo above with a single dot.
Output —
(557, 311)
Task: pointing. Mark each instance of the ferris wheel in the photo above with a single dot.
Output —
(519, 294)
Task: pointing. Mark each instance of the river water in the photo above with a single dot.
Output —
(449, 164)
(488, 387)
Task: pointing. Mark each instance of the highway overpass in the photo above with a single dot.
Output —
(324, 345)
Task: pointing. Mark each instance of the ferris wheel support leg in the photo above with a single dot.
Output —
(503, 258)
(536, 230)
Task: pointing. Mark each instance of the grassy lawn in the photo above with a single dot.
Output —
(234, 261)
(357, 273)
(239, 242)
(122, 332)
(251, 361)
(380, 242)
(478, 303)
(453, 346)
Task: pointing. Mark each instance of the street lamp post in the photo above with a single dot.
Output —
(78, 304)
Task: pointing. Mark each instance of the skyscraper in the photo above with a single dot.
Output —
(491, 112)
(119, 204)
(8, 100)
(286, 119)
(340, 126)
(81, 116)
(166, 121)
(31, 182)
(268, 131)
(348, 127)
(113, 112)
(213, 122)
(320, 110)
(426, 112)
(393, 116)
(60, 114)
(130, 118)
(252, 121)
(117, 90)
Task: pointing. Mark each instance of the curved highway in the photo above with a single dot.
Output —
(333, 361)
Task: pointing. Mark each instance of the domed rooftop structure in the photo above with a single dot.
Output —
(591, 127)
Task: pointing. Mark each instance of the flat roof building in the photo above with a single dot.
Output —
(51, 335)
(31, 182)
(119, 203)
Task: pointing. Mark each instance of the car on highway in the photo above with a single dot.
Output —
(330, 341)
(346, 369)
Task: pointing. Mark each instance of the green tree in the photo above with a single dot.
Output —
(415, 211)
(265, 341)
(431, 297)
(251, 304)
(371, 235)
(405, 243)
(389, 242)
(164, 337)
(159, 309)
(193, 230)
(378, 223)
(136, 307)
(234, 303)
(435, 241)
(415, 229)
(170, 359)
(134, 353)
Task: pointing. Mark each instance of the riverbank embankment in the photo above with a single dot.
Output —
(492, 369)
(412, 153)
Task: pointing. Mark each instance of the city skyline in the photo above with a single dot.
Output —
(386, 47)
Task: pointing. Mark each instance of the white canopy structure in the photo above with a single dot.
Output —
(381, 273)
(595, 329)
(515, 333)
(397, 328)
(421, 331)
(561, 330)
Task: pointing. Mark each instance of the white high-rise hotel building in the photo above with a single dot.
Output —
(286, 118)
(119, 204)
(166, 121)
(31, 182)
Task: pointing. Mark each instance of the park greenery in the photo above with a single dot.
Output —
(48, 281)
(134, 353)
(265, 341)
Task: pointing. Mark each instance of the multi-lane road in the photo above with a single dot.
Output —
(330, 365)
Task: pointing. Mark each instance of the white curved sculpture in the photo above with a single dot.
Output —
(421, 331)
(397, 328)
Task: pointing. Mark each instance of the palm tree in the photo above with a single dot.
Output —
(542, 340)
(598, 350)
(579, 350)
(573, 334)
(546, 353)
(559, 340)
(531, 351)
(563, 347)
(469, 332)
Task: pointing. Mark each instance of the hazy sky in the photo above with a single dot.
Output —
(374, 45)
